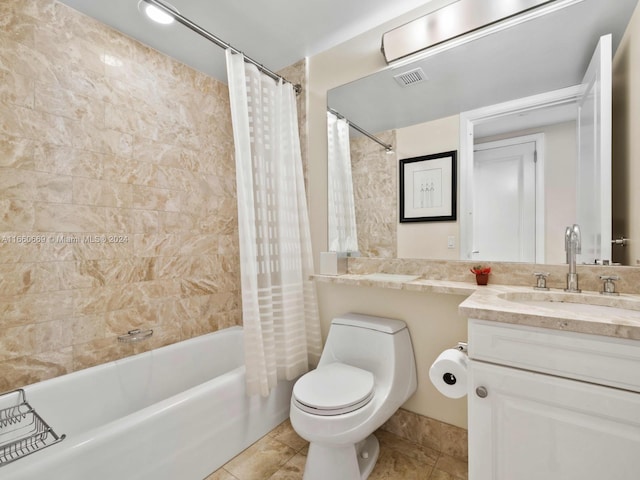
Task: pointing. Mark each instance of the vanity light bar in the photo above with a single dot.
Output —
(459, 23)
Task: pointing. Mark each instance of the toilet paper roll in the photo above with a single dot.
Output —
(449, 373)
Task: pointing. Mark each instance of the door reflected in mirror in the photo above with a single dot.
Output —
(504, 178)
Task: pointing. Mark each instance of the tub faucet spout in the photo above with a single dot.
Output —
(573, 246)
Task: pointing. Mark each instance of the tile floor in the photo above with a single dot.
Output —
(281, 455)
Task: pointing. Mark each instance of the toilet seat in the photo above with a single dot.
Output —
(333, 389)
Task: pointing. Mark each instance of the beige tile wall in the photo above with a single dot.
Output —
(297, 74)
(428, 432)
(374, 188)
(103, 137)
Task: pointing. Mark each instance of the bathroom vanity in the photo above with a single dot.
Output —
(554, 386)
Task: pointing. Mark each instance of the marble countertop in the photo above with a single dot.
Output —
(586, 312)
(613, 316)
(401, 282)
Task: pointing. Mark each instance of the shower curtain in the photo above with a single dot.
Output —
(280, 312)
(343, 235)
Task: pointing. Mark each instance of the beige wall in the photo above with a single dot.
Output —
(429, 239)
(434, 324)
(140, 147)
(626, 144)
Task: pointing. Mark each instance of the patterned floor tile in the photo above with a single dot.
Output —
(261, 460)
(281, 455)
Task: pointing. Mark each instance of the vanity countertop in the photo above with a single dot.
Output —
(500, 303)
(586, 312)
(398, 282)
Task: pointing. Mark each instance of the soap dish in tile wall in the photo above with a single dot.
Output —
(134, 336)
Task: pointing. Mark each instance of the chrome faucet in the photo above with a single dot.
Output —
(572, 245)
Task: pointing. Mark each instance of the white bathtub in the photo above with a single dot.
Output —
(175, 413)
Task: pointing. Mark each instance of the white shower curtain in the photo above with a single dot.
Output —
(343, 235)
(280, 313)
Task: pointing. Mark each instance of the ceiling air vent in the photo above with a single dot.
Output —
(411, 77)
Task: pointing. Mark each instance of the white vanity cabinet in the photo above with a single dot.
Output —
(552, 405)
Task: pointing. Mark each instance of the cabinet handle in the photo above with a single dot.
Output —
(482, 392)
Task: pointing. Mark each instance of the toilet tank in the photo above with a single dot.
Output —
(379, 345)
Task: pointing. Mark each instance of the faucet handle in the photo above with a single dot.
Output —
(541, 280)
(608, 286)
(609, 277)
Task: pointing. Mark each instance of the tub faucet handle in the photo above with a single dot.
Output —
(541, 281)
(608, 285)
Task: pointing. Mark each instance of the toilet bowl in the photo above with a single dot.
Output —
(366, 372)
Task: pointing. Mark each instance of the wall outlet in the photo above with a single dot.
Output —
(451, 241)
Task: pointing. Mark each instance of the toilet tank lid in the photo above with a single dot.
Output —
(380, 324)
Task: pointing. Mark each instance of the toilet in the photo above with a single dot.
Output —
(366, 372)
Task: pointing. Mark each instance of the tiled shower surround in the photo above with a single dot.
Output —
(374, 189)
(117, 195)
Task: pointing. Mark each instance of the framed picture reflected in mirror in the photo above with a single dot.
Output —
(428, 188)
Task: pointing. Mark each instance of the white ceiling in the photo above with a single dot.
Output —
(276, 33)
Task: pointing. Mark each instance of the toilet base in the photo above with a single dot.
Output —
(344, 462)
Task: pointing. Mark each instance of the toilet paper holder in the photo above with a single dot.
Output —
(448, 373)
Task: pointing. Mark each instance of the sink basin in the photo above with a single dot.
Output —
(581, 304)
(390, 277)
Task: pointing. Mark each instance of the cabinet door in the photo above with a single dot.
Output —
(533, 426)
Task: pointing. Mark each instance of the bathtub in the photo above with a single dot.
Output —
(175, 413)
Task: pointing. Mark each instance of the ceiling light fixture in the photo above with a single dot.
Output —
(156, 14)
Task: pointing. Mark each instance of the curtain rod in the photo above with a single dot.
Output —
(386, 146)
(220, 43)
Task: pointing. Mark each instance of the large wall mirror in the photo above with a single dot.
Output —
(543, 58)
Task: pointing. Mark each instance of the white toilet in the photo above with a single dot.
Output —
(366, 372)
